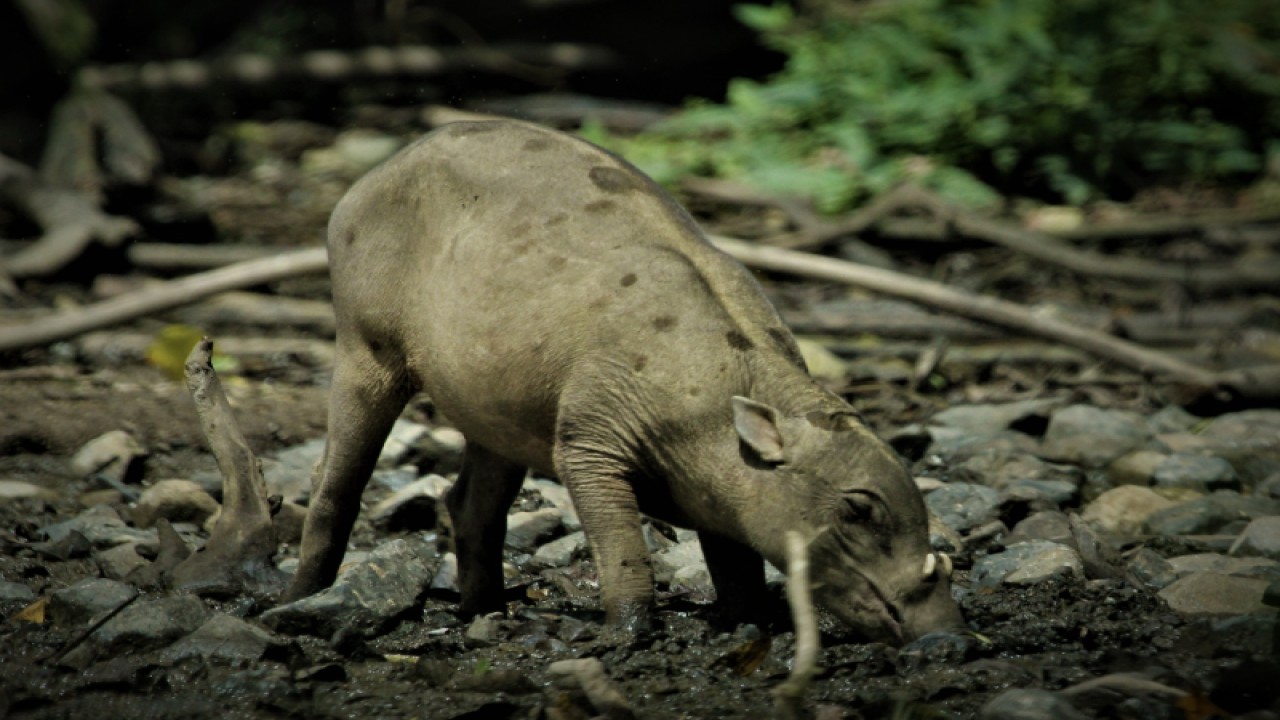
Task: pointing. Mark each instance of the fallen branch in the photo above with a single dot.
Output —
(70, 219)
(987, 309)
(1255, 384)
(788, 698)
(237, 556)
(163, 297)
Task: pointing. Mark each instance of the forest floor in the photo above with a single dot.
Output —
(900, 365)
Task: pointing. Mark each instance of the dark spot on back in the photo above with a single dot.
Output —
(520, 229)
(694, 392)
(613, 180)
(640, 362)
(833, 422)
(599, 206)
(738, 341)
(536, 144)
(557, 219)
(628, 280)
(780, 337)
(349, 237)
(664, 322)
(557, 262)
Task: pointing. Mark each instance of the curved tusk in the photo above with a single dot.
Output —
(946, 564)
(930, 562)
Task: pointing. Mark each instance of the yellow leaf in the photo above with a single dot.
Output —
(33, 613)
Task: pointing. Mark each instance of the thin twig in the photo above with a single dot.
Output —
(77, 640)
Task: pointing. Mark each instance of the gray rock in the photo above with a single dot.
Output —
(446, 577)
(525, 530)
(223, 637)
(1208, 514)
(1150, 570)
(483, 630)
(994, 418)
(117, 562)
(1123, 510)
(1249, 440)
(101, 525)
(1269, 487)
(1209, 593)
(87, 600)
(415, 506)
(558, 495)
(144, 625)
(953, 445)
(1093, 437)
(288, 474)
(1026, 564)
(1135, 468)
(174, 500)
(1252, 567)
(394, 479)
(1042, 492)
(401, 442)
(116, 455)
(365, 595)
(998, 470)
(961, 506)
(18, 490)
(683, 559)
(1172, 418)
(1197, 472)
(1050, 525)
(1030, 704)
(561, 552)
(15, 592)
(1261, 538)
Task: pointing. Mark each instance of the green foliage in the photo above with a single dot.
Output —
(1073, 100)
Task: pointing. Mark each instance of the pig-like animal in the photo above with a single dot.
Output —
(568, 316)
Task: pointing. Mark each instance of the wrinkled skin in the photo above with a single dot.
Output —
(568, 316)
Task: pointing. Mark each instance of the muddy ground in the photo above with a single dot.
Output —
(1052, 635)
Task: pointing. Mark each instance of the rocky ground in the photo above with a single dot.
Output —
(1110, 563)
(1115, 556)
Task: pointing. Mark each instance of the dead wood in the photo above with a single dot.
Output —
(237, 556)
(1157, 226)
(163, 297)
(985, 309)
(788, 697)
(315, 353)
(71, 221)
(1196, 381)
(177, 256)
(89, 125)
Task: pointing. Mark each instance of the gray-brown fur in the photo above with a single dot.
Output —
(568, 316)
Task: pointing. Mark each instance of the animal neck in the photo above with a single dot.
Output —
(778, 382)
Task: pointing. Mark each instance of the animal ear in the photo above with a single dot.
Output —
(757, 425)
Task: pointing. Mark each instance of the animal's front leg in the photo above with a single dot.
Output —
(610, 515)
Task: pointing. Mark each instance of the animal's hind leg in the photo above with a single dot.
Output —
(367, 395)
(478, 504)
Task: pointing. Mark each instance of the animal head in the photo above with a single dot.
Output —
(848, 493)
